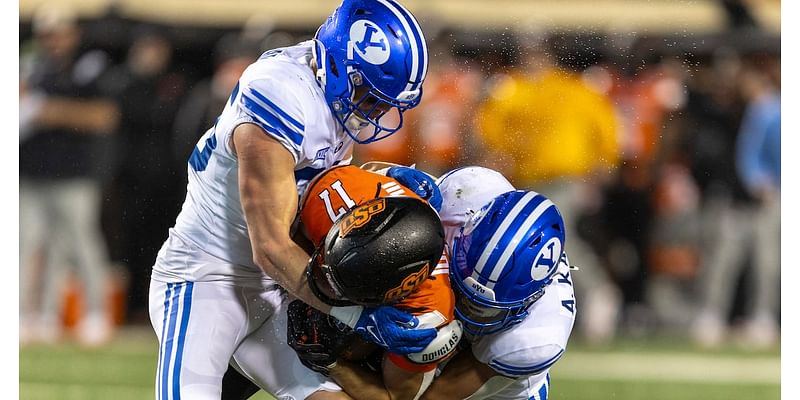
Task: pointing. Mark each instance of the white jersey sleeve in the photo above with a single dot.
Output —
(279, 94)
(535, 344)
(266, 101)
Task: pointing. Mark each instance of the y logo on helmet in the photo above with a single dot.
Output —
(361, 215)
(408, 285)
(369, 41)
(546, 260)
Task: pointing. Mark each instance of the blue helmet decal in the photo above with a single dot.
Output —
(369, 42)
(371, 60)
(546, 261)
(503, 258)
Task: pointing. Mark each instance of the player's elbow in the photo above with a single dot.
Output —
(263, 256)
(263, 261)
(267, 254)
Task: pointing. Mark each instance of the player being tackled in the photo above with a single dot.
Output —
(375, 242)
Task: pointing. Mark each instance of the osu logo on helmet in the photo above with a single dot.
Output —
(408, 285)
(361, 215)
(392, 244)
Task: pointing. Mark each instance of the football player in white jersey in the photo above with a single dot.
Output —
(513, 288)
(229, 264)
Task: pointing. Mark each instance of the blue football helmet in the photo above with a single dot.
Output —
(371, 58)
(503, 258)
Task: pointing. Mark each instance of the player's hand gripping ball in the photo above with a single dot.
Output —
(394, 330)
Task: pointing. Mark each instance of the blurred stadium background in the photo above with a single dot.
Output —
(636, 116)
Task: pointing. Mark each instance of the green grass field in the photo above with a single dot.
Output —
(629, 370)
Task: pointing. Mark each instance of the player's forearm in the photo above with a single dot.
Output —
(404, 384)
(272, 256)
(268, 194)
(462, 377)
(360, 383)
(273, 250)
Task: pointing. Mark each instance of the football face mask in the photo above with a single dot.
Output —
(322, 281)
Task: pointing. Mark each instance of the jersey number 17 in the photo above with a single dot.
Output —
(325, 195)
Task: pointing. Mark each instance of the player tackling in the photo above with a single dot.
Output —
(229, 261)
(513, 288)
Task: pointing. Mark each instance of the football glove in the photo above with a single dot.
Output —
(317, 338)
(386, 326)
(394, 330)
(421, 183)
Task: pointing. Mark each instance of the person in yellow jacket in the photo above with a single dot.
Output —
(550, 132)
(551, 124)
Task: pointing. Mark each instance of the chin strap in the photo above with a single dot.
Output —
(318, 59)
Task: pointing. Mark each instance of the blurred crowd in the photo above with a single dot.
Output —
(665, 165)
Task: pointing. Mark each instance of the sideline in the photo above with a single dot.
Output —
(672, 367)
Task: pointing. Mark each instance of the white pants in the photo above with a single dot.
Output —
(204, 326)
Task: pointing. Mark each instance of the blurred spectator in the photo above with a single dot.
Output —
(758, 152)
(550, 132)
(62, 159)
(673, 254)
(649, 236)
(143, 196)
(443, 125)
(730, 210)
(205, 101)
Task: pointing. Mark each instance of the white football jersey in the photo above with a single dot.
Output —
(278, 93)
(527, 350)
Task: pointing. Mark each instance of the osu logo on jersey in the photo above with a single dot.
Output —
(408, 285)
(361, 215)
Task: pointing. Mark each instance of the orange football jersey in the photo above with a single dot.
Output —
(330, 195)
(335, 191)
(432, 303)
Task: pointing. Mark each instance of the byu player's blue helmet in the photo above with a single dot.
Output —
(371, 57)
(503, 258)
